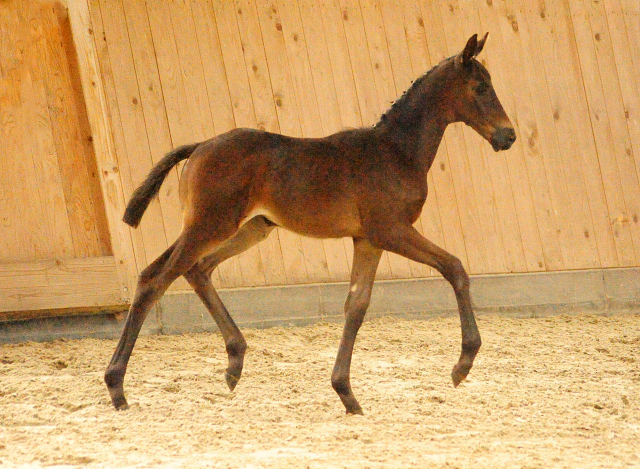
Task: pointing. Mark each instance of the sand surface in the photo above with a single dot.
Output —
(551, 392)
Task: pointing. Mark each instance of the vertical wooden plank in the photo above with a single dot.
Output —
(621, 100)
(189, 63)
(574, 133)
(67, 138)
(20, 221)
(86, 139)
(134, 153)
(628, 78)
(618, 195)
(25, 221)
(214, 69)
(332, 19)
(529, 166)
(47, 184)
(40, 151)
(529, 192)
(7, 202)
(572, 214)
(154, 110)
(87, 34)
(631, 14)
(116, 183)
(368, 99)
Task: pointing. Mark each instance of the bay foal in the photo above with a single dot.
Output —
(369, 184)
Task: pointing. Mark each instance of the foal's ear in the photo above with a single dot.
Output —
(473, 48)
(469, 50)
(480, 45)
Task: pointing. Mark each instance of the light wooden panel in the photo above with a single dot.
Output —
(566, 196)
(58, 284)
(52, 202)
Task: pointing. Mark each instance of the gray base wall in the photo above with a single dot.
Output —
(532, 294)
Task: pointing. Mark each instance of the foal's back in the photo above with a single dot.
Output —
(313, 186)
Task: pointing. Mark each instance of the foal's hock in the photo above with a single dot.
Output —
(369, 184)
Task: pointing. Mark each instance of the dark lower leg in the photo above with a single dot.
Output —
(411, 244)
(365, 263)
(233, 338)
(471, 341)
(153, 282)
(199, 277)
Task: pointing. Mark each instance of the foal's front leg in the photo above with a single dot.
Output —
(365, 264)
(408, 242)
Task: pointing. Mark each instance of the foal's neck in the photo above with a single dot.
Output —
(417, 121)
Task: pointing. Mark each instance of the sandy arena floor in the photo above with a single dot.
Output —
(552, 392)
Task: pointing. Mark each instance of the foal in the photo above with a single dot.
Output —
(369, 184)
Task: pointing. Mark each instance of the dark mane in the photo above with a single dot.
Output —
(403, 109)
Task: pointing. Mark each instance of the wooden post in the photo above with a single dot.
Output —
(100, 121)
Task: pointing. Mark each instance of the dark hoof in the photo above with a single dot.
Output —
(458, 375)
(119, 402)
(357, 411)
(231, 380)
(123, 406)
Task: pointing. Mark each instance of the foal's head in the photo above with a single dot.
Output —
(473, 99)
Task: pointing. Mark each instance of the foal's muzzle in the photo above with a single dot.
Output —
(503, 138)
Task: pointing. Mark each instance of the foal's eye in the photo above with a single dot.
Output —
(482, 88)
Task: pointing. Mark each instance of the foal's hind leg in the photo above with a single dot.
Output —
(153, 282)
(199, 277)
(365, 264)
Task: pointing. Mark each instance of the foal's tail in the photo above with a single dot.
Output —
(143, 195)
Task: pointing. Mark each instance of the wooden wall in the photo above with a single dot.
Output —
(93, 95)
(51, 203)
(55, 242)
(565, 197)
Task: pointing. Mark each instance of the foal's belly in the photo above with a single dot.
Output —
(313, 219)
